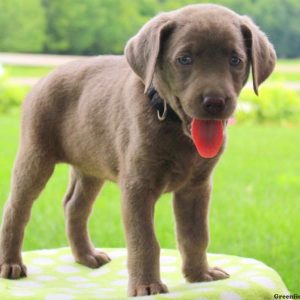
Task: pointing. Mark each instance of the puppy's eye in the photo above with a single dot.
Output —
(235, 60)
(185, 60)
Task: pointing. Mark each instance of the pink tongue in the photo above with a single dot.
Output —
(207, 136)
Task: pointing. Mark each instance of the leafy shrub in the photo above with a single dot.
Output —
(11, 96)
(275, 103)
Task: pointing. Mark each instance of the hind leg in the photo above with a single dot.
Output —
(31, 172)
(78, 202)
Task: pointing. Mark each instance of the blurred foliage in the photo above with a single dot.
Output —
(92, 26)
(275, 104)
(11, 96)
(103, 26)
(22, 26)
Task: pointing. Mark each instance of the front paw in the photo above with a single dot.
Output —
(209, 274)
(93, 259)
(141, 289)
(12, 270)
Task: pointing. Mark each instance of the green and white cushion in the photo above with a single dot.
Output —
(53, 275)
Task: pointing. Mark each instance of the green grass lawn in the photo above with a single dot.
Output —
(254, 211)
(27, 71)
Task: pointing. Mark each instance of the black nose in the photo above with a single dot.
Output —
(214, 105)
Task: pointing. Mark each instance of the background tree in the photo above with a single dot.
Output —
(104, 26)
(281, 21)
(93, 26)
(22, 26)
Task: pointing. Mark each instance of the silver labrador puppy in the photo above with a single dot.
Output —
(128, 119)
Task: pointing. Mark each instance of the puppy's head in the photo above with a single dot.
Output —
(199, 58)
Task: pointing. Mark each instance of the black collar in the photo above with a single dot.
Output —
(158, 103)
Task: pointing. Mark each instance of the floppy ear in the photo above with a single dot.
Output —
(143, 49)
(260, 52)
